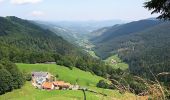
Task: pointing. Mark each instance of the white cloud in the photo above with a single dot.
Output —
(37, 13)
(20, 2)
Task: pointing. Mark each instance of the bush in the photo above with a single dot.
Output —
(67, 63)
(10, 77)
(103, 84)
(5, 81)
(28, 77)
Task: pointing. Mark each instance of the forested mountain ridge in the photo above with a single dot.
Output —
(126, 29)
(145, 50)
(148, 49)
(105, 42)
(24, 37)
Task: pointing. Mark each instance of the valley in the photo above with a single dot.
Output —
(107, 60)
(84, 50)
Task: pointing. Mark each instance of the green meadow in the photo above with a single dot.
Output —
(75, 75)
(28, 92)
(85, 79)
(120, 64)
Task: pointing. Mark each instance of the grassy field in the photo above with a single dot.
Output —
(28, 92)
(81, 77)
(120, 64)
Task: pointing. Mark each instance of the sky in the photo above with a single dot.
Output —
(75, 10)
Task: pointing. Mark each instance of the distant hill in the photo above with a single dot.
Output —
(99, 32)
(143, 44)
(77, 30)
(124, 29)
(65, 33)
(85, 27)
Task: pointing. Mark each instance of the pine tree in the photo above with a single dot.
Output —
(159, 6)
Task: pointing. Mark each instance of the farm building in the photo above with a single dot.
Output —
(113, 61)
(61, 85)
(48, 86)
(44, 80)
(38, 78)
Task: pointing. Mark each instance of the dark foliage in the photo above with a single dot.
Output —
(124, 81)
(22, 41)
(10, 77)
(159, 6)
(145, 51)
(28, 76)
(103, 84)
(114, 36)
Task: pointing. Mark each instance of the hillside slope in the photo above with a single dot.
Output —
(125, 29)
(110, 39)
(143, 50)
(21, 38)
(65, 33)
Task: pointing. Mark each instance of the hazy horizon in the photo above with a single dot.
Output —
(75, 10)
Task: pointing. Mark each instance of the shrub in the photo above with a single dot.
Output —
(103, 84)
(28, 77)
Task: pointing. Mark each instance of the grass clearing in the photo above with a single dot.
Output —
(75, 75)
(119, 63)
(92, 53)
(28, 92)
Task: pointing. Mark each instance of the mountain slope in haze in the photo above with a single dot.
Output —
(99, 32)
(125, 29)
(85, 27)
(77, 29)
(145, 50)
(105, 42)
(77, 32)
(58, 30)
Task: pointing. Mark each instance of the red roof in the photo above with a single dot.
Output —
(58, 83)
(61, 83)
(47, 85)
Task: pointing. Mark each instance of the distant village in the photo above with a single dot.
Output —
(46, 81)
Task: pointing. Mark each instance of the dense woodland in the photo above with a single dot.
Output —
(146, 50)
(112, 37)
